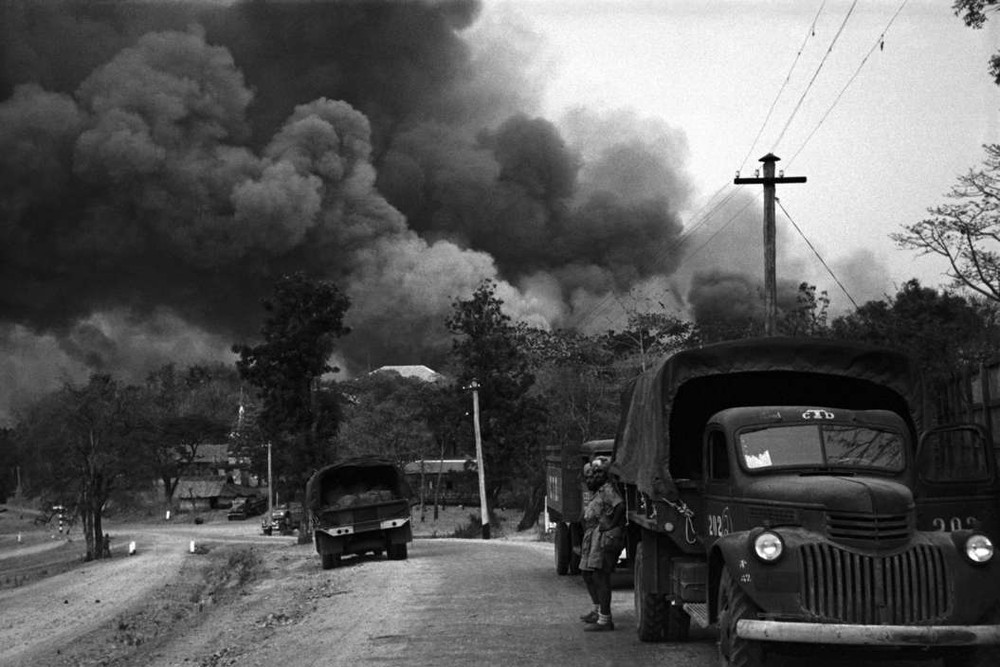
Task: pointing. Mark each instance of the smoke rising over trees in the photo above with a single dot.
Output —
(161, 164)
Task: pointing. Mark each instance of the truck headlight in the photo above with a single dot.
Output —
(768, 546)
(979, 548)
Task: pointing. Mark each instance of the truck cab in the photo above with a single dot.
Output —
(822, 520)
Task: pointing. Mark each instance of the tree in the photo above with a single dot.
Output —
(299, 412)
(187, 410)
(650, 335)
(490, 350)
(86, 443)
(385, 416)
(940, 331)
(581, 378)
(967, 232)
(808, 316)
(973, 12)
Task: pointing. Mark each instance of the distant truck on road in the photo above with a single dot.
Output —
(565, 498)
(357, 506)
(790, 492)
(246, 507)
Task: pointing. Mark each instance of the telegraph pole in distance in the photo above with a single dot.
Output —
(480, 463)
(770, 279)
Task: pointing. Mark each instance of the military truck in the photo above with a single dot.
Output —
(565, 498)
(359, 505)
(789, 492)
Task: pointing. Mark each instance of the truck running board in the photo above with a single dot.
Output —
(698, 611)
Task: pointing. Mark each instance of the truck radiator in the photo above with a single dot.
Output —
(904, 588)
(886, 531)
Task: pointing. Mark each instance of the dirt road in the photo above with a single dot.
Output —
(248, 600)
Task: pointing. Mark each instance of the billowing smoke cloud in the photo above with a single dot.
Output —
(162, 164)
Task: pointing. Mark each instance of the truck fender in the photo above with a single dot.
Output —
(729, 551)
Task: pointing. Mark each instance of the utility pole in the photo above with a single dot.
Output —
(770, 279)
(270, 485)
(481, 464)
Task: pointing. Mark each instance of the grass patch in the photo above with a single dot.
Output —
(233, 572)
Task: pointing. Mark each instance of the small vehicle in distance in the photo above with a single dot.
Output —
(284, 519)
(244, 508)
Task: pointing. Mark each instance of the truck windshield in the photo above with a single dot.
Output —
(812, 445)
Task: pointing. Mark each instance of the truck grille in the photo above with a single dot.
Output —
(910, 587)
(871, 529)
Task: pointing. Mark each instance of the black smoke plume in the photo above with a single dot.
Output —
(162, 163)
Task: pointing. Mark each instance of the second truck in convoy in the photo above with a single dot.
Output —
(359, 505)
(791, 492)
(566, 496)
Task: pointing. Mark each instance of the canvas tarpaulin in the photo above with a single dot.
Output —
(673, 400)
(352, 475)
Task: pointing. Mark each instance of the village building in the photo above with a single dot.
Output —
(459, 480)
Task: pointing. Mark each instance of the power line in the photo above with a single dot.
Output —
(609, 297)
(879, 42)
(816, 73)
(809, 33)
(816, 252)
(723, 227)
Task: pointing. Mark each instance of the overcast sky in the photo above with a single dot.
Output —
(914, 118)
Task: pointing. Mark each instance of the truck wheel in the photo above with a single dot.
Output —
(563, 548)
(735, 605)
(330, 561)
(396, 551)
(650, 608)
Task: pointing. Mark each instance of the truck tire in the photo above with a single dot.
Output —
(330, 561)
(397, 551)
(735, 605)
(650, 608)
(563, 548)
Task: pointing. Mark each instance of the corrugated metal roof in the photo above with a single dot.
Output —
(431, 466)
(421, 372)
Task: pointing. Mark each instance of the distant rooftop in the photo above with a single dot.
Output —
(420, 372)
(433, 466)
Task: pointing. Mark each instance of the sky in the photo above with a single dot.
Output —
(163, 162)
(914, 118)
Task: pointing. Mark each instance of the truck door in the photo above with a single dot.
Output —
(957, 482)
(717, 520)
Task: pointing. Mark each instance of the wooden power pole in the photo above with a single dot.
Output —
(484, 512)
(770, 279)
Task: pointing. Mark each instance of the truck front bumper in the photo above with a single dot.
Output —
(868, 635)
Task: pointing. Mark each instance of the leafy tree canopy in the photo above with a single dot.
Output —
(938, 330)
(974, 13)
(298, 412)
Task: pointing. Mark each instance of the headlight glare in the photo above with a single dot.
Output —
(979, 548)
(768, 546)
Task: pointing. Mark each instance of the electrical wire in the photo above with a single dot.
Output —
(599, 307)
(878, 43)
(819, 68)
(818, 256)
(724, 226)
(809, 33)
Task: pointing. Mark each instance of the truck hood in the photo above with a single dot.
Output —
(866, 495)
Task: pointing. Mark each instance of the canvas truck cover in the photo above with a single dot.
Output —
(368, 471)
(664, 410)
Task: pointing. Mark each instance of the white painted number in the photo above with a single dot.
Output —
(952, 524)
(718, 525)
